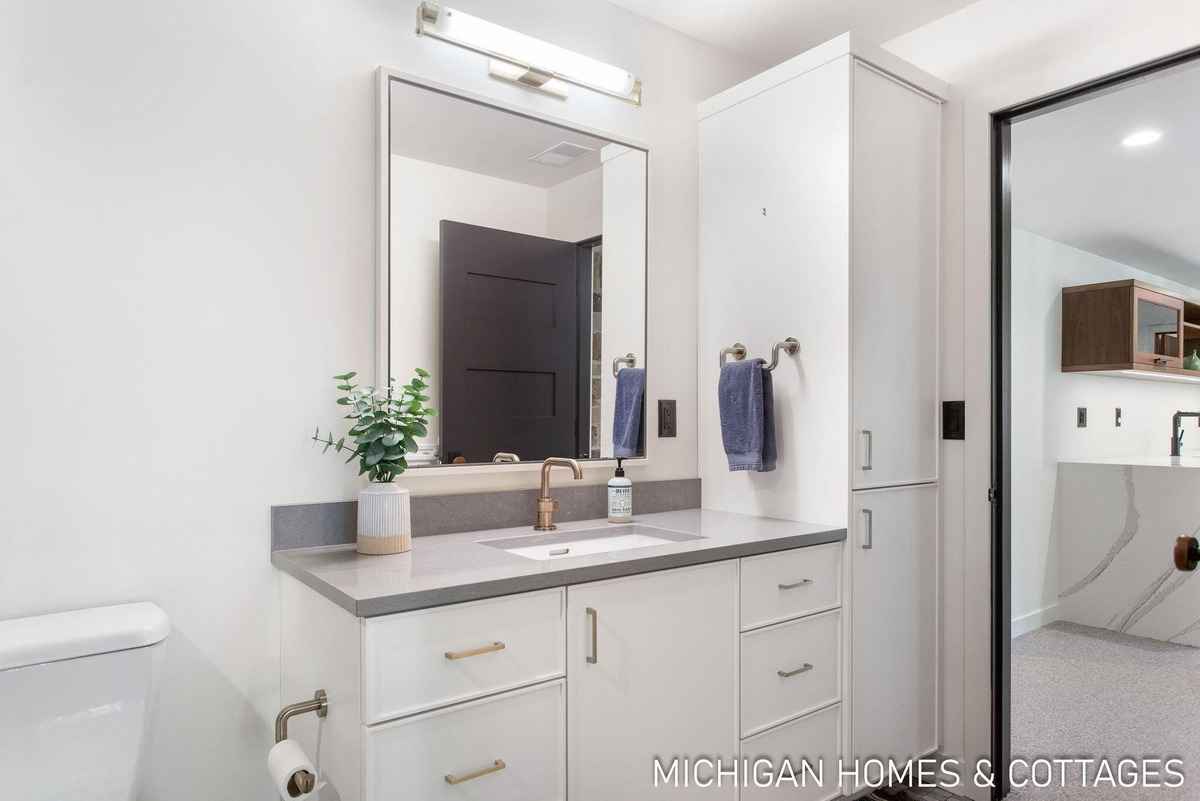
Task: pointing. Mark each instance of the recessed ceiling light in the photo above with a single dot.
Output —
(1141, 138)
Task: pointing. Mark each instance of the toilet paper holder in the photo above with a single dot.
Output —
(301, 780)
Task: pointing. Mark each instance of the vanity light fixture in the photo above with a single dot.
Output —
(1146, 136)
(524, 59)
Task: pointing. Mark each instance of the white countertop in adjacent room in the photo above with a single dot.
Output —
(1139, 461)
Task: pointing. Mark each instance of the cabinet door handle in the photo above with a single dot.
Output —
(869, 530)
(787, 674)
(495, 767)
(483, 649)
(594, 653)
(868, 459)
(795, 584)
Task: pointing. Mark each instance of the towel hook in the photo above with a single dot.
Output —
(791, 346)
(628, 359)
(737, 350)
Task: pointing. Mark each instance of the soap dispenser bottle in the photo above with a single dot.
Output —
(620, 497)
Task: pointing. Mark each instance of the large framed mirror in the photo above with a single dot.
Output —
(512, 267)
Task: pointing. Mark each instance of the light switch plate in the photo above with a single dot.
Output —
(1081, 417)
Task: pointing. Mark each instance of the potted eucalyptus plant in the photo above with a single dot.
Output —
(385, 427)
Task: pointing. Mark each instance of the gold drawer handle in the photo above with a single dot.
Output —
(800, 583)
(483, 649)
(787, 674)
(495, 767)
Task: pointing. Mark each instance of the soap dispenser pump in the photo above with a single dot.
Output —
(620, 497)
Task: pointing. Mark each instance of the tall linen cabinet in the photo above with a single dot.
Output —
(819, 219)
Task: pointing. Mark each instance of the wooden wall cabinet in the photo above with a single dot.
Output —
(1128, 326)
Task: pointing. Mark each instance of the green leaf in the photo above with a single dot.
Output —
(392, 439)
(374, 454)
(345, 387)
(345, 376)
(422, 372)
(344, 401)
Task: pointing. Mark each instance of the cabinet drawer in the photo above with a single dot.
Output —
(420, 660)
(814, 739)
(780, 586)
(790, 669)
(509, 747)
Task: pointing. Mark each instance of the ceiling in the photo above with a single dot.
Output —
(1074, 182)
(766, 32)
(442, 129)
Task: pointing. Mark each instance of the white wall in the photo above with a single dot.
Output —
(1043, 427)
(573, 207)
(996, 53)
(422, 195)
(623, 278)
(188, 212)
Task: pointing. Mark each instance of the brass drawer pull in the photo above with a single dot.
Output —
(483, 649)
(495, 767)
(787, 674)
(794, 585)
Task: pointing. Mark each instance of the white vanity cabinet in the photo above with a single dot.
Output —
(651, 666)
(895, 638)
(574, 691)
(820, 205)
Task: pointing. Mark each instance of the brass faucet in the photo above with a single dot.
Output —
(547, 506)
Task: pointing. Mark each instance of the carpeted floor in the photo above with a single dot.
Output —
(1079, 692)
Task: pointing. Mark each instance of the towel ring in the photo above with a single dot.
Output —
(737, 350)
(790, 346)
(628, 359)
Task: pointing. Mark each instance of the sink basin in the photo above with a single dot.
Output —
(586, 542)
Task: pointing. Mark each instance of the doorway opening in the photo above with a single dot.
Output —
(1096, 344)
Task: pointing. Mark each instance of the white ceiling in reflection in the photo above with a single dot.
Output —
(433, 127)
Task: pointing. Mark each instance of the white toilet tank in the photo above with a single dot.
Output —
(75, 697)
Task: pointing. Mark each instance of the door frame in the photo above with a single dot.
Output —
(1001, 375)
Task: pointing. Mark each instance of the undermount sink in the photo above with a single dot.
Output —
(586, 542)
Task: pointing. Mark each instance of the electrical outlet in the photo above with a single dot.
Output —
(666, 418)
(1081, 417)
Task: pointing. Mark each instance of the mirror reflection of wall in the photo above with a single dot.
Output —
(517, 275)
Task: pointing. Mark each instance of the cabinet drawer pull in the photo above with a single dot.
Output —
(787, 674)
(594, 617)
(869, 530)
(869, 458)
(560, 552)
(495, 767)
(483, 649)
(794, 585)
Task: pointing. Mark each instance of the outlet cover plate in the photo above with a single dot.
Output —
(667, 422)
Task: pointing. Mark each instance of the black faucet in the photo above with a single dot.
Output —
(1177, 431)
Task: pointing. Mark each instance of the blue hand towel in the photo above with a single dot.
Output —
(627, 416)
(747, 406)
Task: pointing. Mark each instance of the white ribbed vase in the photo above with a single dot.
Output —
(384, 519)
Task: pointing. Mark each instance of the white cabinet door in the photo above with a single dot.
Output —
(651, 672)
(894, 616)
(894, 282)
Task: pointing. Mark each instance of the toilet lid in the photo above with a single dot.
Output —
(84, 632)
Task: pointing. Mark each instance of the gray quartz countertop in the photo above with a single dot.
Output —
(452, 568)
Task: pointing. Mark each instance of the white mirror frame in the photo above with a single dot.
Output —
(385, 76)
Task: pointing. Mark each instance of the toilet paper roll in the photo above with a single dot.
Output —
(283, 761)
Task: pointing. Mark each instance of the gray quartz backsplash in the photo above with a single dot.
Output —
(306, 525)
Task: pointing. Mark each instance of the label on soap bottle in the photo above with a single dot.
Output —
(620, 503)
